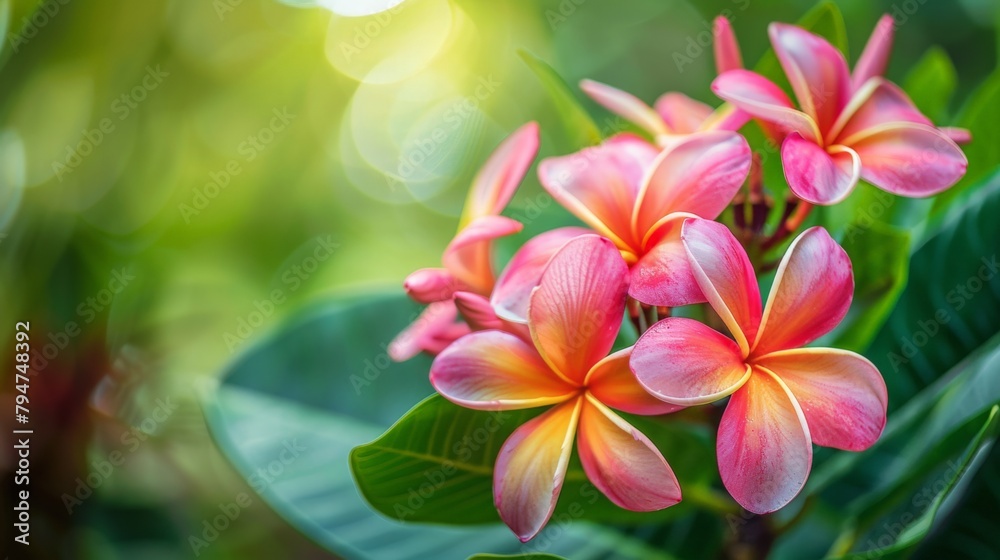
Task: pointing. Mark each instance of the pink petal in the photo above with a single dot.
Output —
(494, 370)
(700, 175)
(576, 311)
(432, 332)
(622, 462)
(957, 135)
(818, 175)
(663, 275)
(725, 276)
(682, 114)
(816, 70)
(811, 293)
(469, 256)
(727, 50)
(762, 99)
(479, 314)
(498, 179)
(612, 382)
(877, 103)
(513, 288)
(428, 285)
(842, 394)
(910, 159)
(626, 105)
(600, 184)
(531, 467)
(875, 57)
(763, 447)
(685, 362)
(726, 117)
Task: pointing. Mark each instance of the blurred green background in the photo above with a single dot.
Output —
(178, 177)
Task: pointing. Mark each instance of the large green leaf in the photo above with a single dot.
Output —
(579, 128)
(436, 464)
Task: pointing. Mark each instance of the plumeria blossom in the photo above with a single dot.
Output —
(468, 260)
(849, 127)
(638, 196)
(574, 316)
(783, 397)
(675, 114)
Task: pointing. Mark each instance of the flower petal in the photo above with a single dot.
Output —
(663, 275)
(469, 256)
(762, 99)
(875, 57)
(842, 394)
(600, 184)
(685, 362)
(727, 50)
(612, 382)
(513, 288)
(682, 114)
(878, 102)
(531, 467)
(812, 291)
(428, 285)
(726, 117)
(763, 447)
(700, 175)
(957, 135)
(816, 69)
(626, 105)
(576, 310)
(622, 462)
(432, 332)
(498, 179)
(725, 276)
(817, 175)
(910, 159)
(494, 370)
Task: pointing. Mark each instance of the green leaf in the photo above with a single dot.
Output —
(880, 256)
(576, 122)
(931, 83)
(436, 465)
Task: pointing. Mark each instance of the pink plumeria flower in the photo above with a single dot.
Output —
(574, 317)
(675, 115)
(849, 128)
(636, 195)
(783, 397)
(468, 260)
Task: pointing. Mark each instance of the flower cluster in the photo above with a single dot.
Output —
(541, 332)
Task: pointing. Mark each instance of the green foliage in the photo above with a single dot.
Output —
(576, 123)
(931, 83)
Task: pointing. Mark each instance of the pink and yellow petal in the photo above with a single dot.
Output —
(764, 448)
(576, 310)
(495, 370)
(682, 114)
(699, 174)
(764, 100)
(911, 160)
(499, 178)
(513, 288)
(875, 57)
(685, 362)
(662, 275)
(725, 276)
(626, 105)
(877, 103)
(842, 394)
(531, 467)
(612, 382)
(817, 175)
(469, 255)
(812, 292)
(622, 462)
